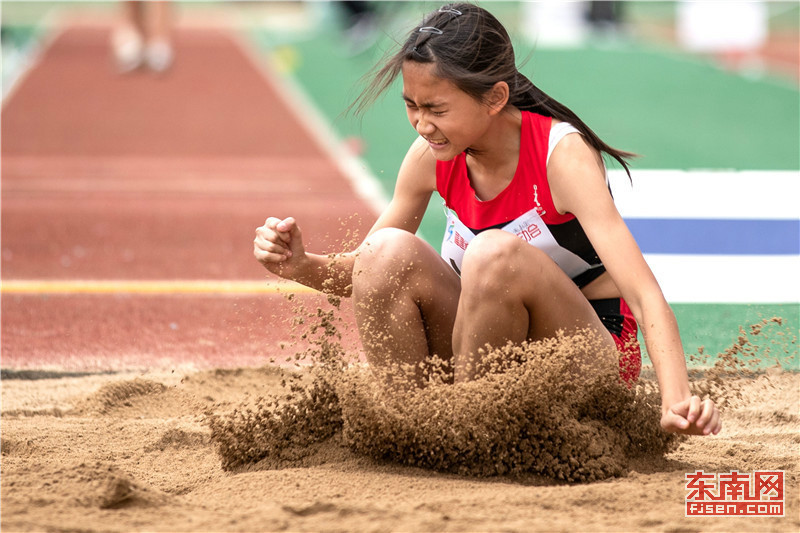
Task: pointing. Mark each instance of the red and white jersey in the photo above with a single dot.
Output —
(524, 208)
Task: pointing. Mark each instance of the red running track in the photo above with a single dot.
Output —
(155, 178)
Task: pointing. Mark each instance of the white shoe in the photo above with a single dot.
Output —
(159, 55)
(128, 50)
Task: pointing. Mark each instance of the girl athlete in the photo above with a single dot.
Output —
(534, 243)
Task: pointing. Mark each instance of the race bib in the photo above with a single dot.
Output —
(529, 227)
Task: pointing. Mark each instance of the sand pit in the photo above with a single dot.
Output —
(122, 452)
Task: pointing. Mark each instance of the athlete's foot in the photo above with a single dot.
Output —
(128, 50)
(159, 55)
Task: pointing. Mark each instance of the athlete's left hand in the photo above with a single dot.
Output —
(692, 416)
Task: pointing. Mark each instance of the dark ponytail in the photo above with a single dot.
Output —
(528, 97)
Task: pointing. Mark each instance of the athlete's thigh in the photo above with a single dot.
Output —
(437, 292)
(554, 301)
(527, 276)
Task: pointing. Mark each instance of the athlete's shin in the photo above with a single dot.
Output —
(491, 310)
(404, 300)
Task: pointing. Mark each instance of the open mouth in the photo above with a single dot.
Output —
(436, 142)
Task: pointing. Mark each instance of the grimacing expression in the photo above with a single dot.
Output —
(447, 117)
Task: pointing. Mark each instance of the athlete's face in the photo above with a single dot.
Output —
(447, 117)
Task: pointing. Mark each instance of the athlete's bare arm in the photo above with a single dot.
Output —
(278, 244)
(577, 182)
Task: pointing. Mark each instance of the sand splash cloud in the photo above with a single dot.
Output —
(531, 412)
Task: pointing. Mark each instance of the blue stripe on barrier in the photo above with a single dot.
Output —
(716, 237)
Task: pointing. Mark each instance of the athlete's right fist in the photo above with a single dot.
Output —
(279, 245)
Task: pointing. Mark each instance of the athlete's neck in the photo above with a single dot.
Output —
(500, 143)
(492, 161)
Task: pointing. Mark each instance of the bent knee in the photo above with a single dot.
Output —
(492, 250)
(499, 255)
(386, 255)
(387, 244)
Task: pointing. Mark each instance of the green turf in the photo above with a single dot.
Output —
(675, 111)
(716, 327)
